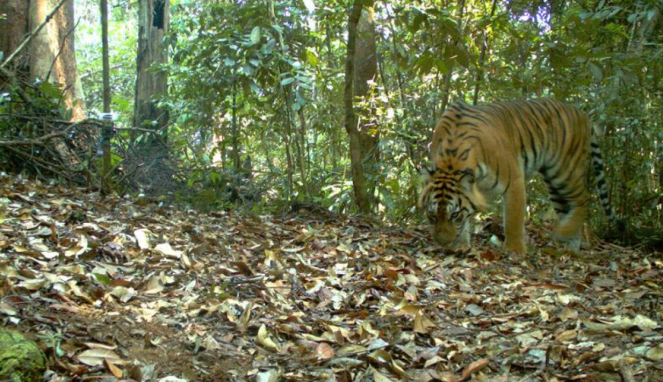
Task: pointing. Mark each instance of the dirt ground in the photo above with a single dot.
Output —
(122, 289)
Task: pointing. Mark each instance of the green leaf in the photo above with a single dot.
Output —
(247, 69)
(287, 81)
(101, 278)
(596, 71)
(312, 57)
(255, 35)
(115, 159)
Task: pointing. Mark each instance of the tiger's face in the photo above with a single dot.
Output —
(450, 198)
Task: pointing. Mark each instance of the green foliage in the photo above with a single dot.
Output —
(265, 78)
(122, 43)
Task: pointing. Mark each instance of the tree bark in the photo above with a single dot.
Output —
(301, 157)
(14, 28)
(107, 129)
(153, 170)
(365, 73)
(52, 52)
(361, 193)
(153, 21)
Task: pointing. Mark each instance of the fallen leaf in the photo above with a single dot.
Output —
(473, 368)
(265, 340)
(655, 353)
(324, 351)
(97, 357)
(166, 250)
(142, 239)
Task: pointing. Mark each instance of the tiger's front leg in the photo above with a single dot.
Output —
(464, 236)
(514, 216)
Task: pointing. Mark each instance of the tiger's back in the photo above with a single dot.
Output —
(479, 152)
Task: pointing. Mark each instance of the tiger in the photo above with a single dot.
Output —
(480, 152)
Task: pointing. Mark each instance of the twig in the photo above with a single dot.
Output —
(39, 162)
(33, 34)
(137, 129)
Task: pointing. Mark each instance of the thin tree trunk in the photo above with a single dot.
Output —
(482, 58)
(235, 132)
(365, 74)
(106, 133)
(446, 79)
(362, 198)
(288, 155)
(302, 151)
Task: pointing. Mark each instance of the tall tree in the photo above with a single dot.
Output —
(365, 71)
(50, 54)
(14, 26)
(153, 20)
(107, 129)
(353, 85)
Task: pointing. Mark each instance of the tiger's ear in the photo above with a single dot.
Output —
(426, 173)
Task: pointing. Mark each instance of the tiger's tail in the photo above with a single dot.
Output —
(599, 171)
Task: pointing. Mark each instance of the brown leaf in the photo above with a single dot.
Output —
(97, 357)
(472, 368)
(422, 323)
(324, 351)
(116, 371)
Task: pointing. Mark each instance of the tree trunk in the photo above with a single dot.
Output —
(107, 129)
(302, 151)
(14, 28)
(50, 54)
(482, 58)
(235, 135)
(446, 78)
(153, 171)
(365, 73)
(153, 20)
(362, 198)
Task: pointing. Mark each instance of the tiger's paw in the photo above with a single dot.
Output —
(517, 247)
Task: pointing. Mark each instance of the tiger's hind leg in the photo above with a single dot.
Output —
(571, 206)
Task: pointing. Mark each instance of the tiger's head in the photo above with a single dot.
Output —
(450, 198)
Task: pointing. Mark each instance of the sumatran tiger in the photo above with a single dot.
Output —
(480, 152)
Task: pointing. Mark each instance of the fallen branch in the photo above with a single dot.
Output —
(43, 138)
(52, 167)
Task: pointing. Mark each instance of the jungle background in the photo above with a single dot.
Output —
(249, 100)
(226, 191)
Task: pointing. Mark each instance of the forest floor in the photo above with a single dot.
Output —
(122, 289)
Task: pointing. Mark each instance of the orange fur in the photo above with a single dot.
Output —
(480, 152)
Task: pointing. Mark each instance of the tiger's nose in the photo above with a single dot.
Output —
(444, 236)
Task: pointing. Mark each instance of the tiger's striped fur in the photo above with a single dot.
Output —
(480, 152)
